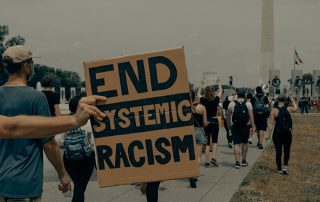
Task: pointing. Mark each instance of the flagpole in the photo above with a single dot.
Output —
(294, 58)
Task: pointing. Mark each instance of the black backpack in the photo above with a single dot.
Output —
(240, 116)
(259, 108)
(283, 121)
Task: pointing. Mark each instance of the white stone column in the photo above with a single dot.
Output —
(62, 95)
(272, 75)
(316, 89)
(296, 91)
(72, 92)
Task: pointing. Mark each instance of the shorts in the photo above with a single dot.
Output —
(261, 123)
(240, 134)
(199, 133)
(212, 131)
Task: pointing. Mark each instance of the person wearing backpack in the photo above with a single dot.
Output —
(78, 156)
(281, 125)
(261, 114)
(240, 121)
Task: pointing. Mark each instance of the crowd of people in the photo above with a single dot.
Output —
(26, 131)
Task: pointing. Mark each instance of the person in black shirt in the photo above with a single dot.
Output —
(52, 98)
(211, 102)
(280, 128)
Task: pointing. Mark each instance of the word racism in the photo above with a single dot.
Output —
(148, 105)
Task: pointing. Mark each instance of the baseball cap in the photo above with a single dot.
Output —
(17, 54)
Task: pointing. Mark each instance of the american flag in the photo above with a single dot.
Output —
(297, 59)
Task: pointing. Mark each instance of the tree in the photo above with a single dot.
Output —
(60, 78)
(18, 40)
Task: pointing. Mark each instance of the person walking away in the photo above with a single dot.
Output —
(304, 105)
(211, 102)
(281, 124)
(240, 120)
(21, 168)
(200, 121)
(52, 98)
(225, 105)
(78, 156)
(261, 113)
(250, 99)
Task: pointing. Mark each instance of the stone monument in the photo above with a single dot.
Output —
(267, 41)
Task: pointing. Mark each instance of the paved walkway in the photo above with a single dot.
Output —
(215, 184)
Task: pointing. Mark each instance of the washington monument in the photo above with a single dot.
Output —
(267, 41)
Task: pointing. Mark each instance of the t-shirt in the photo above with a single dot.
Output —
(52, 99)
(211, 106)
(21, 160)
(233, 104)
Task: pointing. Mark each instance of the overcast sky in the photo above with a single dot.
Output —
(218, 35)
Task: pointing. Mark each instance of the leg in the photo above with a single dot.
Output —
(287, 145)
(245, 132)
(278, 147)
(244, 148)
(199, 151)
(152, 191)
(215, 133)
(72, 167)
(85, 172)
(209, 141)
(237, 152)
(229, 138)
(261, 136)
(236, 142)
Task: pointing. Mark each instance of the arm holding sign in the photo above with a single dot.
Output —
(36, 126)
(199, 89)
(219, 94)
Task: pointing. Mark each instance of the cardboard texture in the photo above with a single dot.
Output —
(148, 133)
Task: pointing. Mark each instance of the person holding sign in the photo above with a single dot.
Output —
(19, 157)
(22, 159)
(37, 126)
(211, 102)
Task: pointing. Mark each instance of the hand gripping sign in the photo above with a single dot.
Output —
(148, 131)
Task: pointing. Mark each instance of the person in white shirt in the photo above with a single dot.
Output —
(240, 121)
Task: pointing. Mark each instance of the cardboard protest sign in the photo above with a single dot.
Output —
(148, 132)
(210, 78)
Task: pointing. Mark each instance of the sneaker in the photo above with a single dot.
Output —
(285, 171)
(214, 162)
(230, 145)
(244, 163)
(143, 188)
(207, 165)
(260, 146)
(237, 165)
(250, 141)
(280, 172)
(162, 187)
